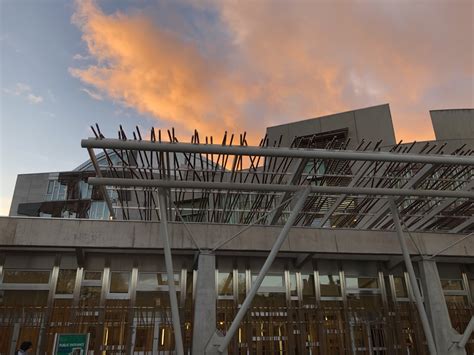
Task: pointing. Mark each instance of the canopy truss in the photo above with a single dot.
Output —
(231, 182)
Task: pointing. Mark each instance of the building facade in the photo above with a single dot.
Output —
(339, 284)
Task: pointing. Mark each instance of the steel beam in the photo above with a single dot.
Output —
(107, 143)
(169, 270)
(295, 176)
(103, 189)
(381, 206)
(429, 217)
(467, 223)
(341, 198)
(276, 188)
(412, 277)
(467, 334)
(263, 271)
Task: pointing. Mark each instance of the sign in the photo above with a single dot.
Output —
(71, 344)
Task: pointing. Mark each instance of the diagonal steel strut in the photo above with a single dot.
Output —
(266, 266)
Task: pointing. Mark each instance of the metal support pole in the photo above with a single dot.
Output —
(271, 257)
(467, 334)
(209, 185)
(103, 189)
(414, 285)
(178, 339)
(107, 143)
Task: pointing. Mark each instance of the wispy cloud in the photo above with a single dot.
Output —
(34, 99)
(81, 57)
(93, 94)
(267, 62)
(24, 90)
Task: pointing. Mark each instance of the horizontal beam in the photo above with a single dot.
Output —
(107, 143)
(276, 187)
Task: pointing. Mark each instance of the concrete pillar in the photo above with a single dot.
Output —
(437, 310)
(205, 302)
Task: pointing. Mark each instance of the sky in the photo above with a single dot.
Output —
(218, 66)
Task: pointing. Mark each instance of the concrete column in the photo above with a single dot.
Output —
(205, 302)
(437, 310)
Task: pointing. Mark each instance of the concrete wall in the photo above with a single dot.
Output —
(29, 188)
(22, 232)
(453, 124)
(371, 123)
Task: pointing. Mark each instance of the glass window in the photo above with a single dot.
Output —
(66, 282)
(241, 284)
(452, 285)
(98, 210)
(330, 285)
(224, 283)
(85, 190)
(50, 187)
(92, 275)
(90, 295)
(309, 296)
(147, 280)
(154, 299)
(23, 298)
(400, 287)
(119, 282)
(308, 285)
(61, 192)
(153, 280)
(25, 277)
(456, 299)
(270, 281)
(362, 282)
(293, 290)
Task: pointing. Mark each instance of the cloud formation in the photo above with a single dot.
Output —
(92, 94)
(24, 91)
(253, 64)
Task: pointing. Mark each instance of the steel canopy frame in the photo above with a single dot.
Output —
(157, 183)
(107, 143)
(201, 176)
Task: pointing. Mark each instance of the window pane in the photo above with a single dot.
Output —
(119, 282)
(224, 283)
(25, 277)
(163, 279)
(23, 298)
(308, 285)
(270, 280)
(293, 290)
(452, 285)
(330, 285)
(154, 299)
(362, 282)
(66, 281)
(242, 289)
(147, 280)
(400, 287)
(309, 296)
(90, 295)
(456, 299)
(93, 275)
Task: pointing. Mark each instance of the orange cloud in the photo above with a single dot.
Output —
(279, 63)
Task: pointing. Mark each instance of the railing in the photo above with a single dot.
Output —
(273, 329)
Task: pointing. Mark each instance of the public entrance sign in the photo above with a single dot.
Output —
(71, 344)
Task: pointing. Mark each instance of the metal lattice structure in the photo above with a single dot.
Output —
(232, 182)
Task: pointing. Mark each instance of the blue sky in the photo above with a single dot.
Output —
(216, 66)
(38, 46)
